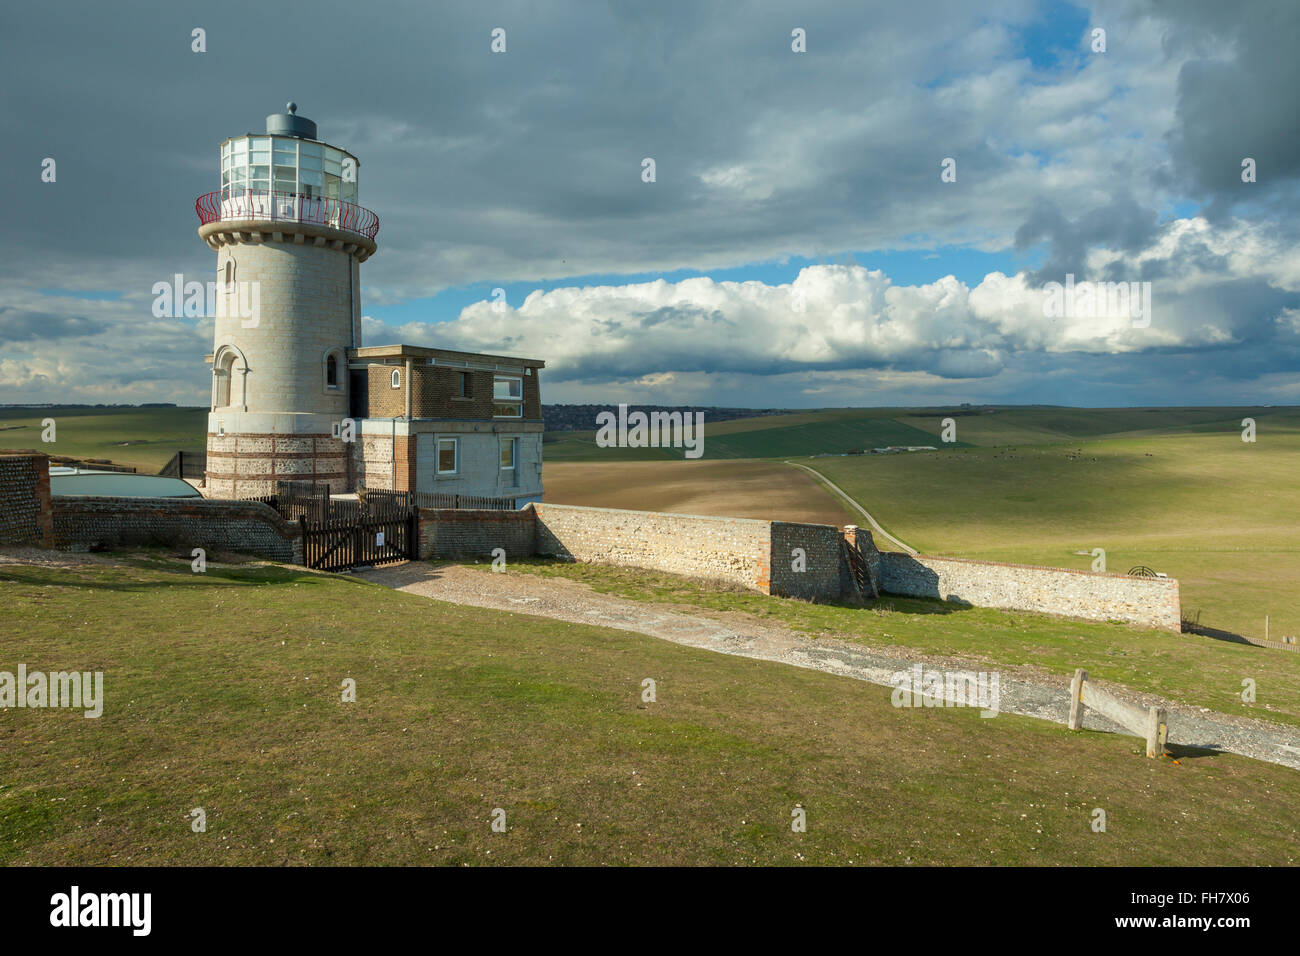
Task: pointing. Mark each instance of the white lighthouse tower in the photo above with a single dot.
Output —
(290, 239)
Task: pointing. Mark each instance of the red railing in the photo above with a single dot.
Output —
(286, 207)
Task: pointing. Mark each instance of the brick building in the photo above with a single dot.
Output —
(295, 394)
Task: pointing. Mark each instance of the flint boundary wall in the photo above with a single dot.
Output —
(1146, 602)
(782, 558)
(732, 550)
(762, 556)
(85, 522)
(26, 515)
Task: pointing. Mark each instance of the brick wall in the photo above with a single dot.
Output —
(435, 393)
(449, 533)
(1147, 602)
(25, 515)
(819, 547)
(384, 400)
(81, 523)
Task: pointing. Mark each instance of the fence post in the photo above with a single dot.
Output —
(1157, 732)
(1076, 698)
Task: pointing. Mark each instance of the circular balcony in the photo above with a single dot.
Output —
(255, 206)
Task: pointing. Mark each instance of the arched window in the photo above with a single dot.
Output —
(332, 372)
(222, 372)
(230, 275)
(397, 378)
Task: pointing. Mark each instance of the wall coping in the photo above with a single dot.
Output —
(1034, 567)
(286, 529)
(663, 514)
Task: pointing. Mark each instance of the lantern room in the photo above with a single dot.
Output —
(287, 160)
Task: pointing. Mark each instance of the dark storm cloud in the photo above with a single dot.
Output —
(23, 325)
(527, 165)
(1235, 98)
(1121, 224)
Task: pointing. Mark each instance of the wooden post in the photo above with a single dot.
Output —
(1156, 732)
(1076, 699)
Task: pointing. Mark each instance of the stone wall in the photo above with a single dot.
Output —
(25, 515)
(82, 523)
(455, 532)
(1146, 602)
(733, 550)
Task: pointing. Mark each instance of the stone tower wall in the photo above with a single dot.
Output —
(278, 423)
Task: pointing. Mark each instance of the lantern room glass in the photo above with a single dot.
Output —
(287, 165)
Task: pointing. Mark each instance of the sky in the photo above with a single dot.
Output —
(800, 244)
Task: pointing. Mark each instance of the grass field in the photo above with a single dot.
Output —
(145, 438)
(1190, 669)
(737, 489)
(223, 692)
(770, 436)
(1219, 514)
(835, 431)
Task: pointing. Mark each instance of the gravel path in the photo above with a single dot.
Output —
(1023, 691)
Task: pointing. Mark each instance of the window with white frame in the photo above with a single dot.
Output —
(397, 378)
(287, 165)
(509, 447)
(508, 397)
(447, 456)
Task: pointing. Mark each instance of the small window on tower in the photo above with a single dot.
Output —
(230, 275)
(464, 385)
(332, 372)
(397, 378)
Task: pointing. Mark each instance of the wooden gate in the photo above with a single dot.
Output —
(349, 538)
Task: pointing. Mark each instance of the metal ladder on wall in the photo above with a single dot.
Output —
(858, 569)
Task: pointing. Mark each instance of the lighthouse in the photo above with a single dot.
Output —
(296, 396)
(290, 238)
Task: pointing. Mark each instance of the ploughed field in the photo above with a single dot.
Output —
(737, 489)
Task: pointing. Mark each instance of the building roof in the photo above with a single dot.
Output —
(442, 356)
(81, 481)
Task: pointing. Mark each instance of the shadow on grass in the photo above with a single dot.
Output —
(1188, 752)
(178, 570)
(1231, 637)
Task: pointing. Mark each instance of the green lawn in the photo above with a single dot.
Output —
(145, 438)
(222, 692)
(1186, 668)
